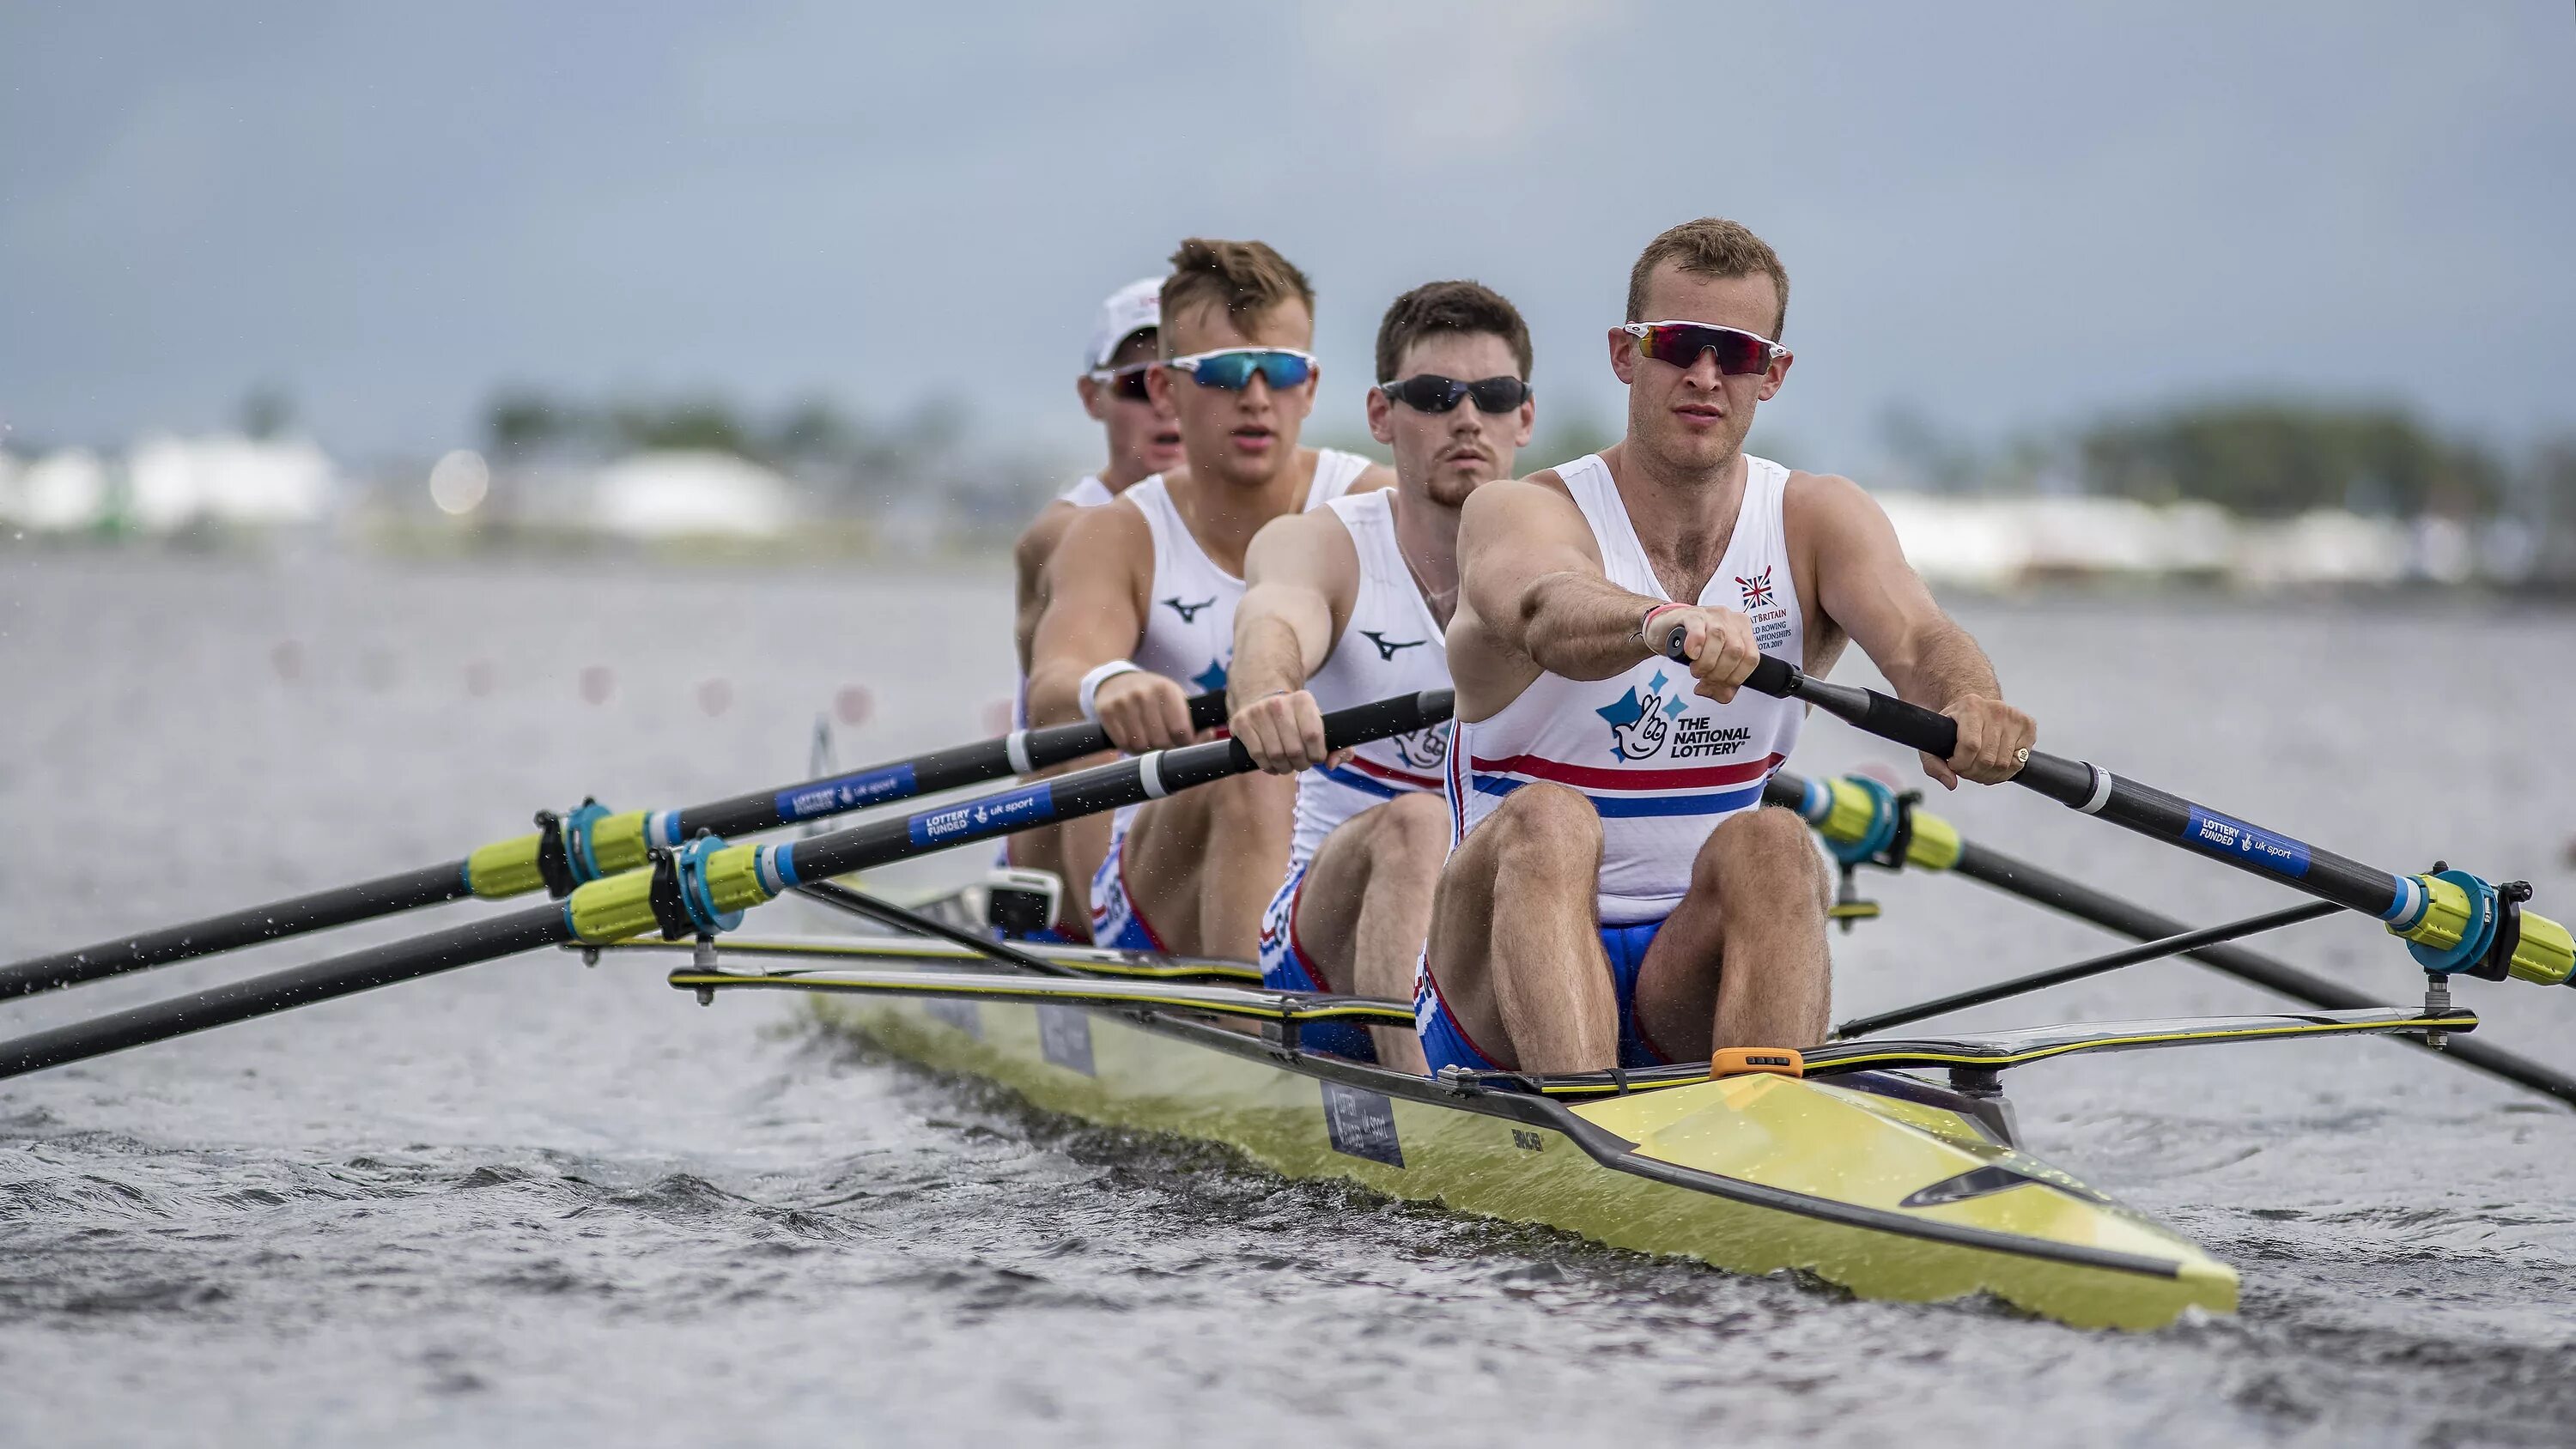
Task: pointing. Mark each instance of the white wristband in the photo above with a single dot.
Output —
(1091, 684)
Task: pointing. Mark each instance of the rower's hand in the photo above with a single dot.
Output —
(1143, 711)
(1284, 733)
(1994, 741)
(1717, 643)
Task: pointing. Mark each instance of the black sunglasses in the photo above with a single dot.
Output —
(1432, 393)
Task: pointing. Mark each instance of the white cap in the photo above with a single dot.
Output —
(1130, 310)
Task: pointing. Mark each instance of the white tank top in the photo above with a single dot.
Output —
(1390, 645)
(1661, 765)
(1189, 616)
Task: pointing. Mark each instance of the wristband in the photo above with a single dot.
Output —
(1646, 621)
(1091, 684)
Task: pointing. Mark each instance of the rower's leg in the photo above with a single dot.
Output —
(1757, 904)
(1203, 864)
(1366, 906)
(1515, 936)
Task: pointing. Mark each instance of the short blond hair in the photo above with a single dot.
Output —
(1246, 278)
(1709, 247)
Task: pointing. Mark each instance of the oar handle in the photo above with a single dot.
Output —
(1889, 718)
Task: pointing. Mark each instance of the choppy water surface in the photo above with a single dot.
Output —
(530, 1201)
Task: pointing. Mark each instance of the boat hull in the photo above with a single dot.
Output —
(1888, 1187)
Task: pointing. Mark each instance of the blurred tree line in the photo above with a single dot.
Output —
(2261, 458)
(2275, 459)
(927, 455)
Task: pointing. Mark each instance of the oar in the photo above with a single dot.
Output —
(2155, 950)
(700, 889)
(2456, 922)
(581, 845)
(1863, 820)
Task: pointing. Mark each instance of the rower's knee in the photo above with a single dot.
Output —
(1250, 802)
(1765, 847)
(1544, 830)
(1410, 837)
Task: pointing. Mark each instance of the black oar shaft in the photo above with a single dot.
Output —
(759, 810)
(341, 906)
(820, 857)
(2163, 946)
(283, 990)
(2454, 921)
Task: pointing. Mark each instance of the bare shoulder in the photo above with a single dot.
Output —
(1313, 546)
(1517, 504)
(1113, 536)
(1825, 505)
(1372, 478)
(1039, 540)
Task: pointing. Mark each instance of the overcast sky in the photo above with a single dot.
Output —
(2002, 217)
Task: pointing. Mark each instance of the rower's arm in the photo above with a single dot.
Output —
(1531, 575)
(1094, 612)
(1028, 568)
(1864, 584)
(1301, 576)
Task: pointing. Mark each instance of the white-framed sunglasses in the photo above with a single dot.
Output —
(1232, 368)
(1739, 353)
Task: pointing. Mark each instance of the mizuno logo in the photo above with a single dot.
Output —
(1189, 612)
(1386, 651)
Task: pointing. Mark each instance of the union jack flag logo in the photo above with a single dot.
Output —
(1757, 589)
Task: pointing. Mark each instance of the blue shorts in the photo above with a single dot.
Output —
(1446, 1044)
(1284, 967)
(1115, 922)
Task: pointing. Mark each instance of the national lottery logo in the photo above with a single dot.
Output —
(1425, 750)
(1757, 589)
(1639, 725)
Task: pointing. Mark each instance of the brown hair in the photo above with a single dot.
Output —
(1436, 307)
(1246, 278)
(1710, 247)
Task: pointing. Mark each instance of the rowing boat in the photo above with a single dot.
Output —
(1858, 1169)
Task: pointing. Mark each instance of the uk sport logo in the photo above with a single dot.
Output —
(1757, 589)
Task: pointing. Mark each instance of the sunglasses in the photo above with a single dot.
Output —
(1124, 382)
(1680, 343)
(1232, 368)
(1431, 393)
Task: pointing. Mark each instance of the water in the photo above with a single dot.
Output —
(530, 1202)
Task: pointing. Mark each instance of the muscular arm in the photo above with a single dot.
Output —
(1864, 584)
(1094, 612)
(1531, 578)
(1301, 576)
(1028, 568)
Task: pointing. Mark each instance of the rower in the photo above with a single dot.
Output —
(1140, 600)
(1144, 439)
(1346, 605)
(1613, 849)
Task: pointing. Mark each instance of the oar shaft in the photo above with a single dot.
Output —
(2456, 922)
(707, 879)
(2178, 944)
(995, 759)
(319, 911)
(282, 990)
(610, 844)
